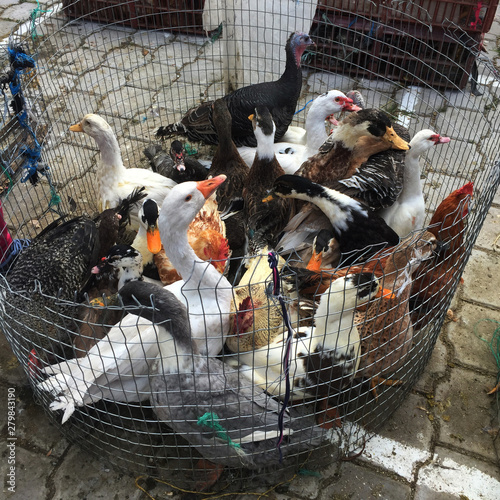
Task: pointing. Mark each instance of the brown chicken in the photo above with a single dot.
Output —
(207, 237)
(435, 280)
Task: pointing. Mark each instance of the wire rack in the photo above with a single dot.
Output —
(141, 65)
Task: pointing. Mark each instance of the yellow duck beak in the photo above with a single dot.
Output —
(395, 140)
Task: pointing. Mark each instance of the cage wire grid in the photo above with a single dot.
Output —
(141, 65)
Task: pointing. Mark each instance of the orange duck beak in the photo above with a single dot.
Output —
(385, 293)
(208, 186)
(153, 239)
(77, 127)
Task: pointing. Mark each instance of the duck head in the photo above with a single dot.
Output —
(370, 123)
(92, 125)
(183, 203)
(177, 153)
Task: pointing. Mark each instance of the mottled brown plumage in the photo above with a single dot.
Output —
(385, 327)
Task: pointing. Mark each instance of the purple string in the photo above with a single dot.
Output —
(273, 264)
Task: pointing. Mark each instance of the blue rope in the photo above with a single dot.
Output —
(273, 264)
(305, 106)
(20, 61)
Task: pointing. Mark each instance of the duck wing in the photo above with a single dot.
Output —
(228, 421)
(197, 125)
(378, 182)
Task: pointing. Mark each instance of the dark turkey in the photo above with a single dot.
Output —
(280, 97)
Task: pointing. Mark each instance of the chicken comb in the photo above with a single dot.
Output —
(467, 189)
(243, 319)
(246, 304)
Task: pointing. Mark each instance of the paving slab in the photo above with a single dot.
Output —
(451, 475)
(458, 122)
(319, 82)
(19, 12)
(101, 480)
(491, 230)
(32, 470)
(463, 410)
(483, 289)
(409, 424)
(435, 369)
(6, 27)
(360, 483)
(471, 324)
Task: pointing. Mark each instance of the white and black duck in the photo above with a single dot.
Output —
(264, 219)
(359, 232)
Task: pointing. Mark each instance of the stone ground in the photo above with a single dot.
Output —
(441, 444)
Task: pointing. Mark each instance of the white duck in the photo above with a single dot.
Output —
(118, 366)
(114, 181)
(408, 212)
(298, 143)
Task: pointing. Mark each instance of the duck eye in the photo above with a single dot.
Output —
(337, 99)
(188, 197)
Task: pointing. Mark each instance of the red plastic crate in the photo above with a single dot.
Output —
(174, 15)
(360, 47)
(469, 15)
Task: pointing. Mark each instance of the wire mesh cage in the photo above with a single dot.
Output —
(149, 402)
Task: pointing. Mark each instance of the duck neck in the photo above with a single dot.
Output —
(412, 185)
(335, 325)
(110, 152)
(132, 274)
(315, 128)
(141, 245)
(185, 260)
(226, 147)
(265, 147)
(338, 210)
